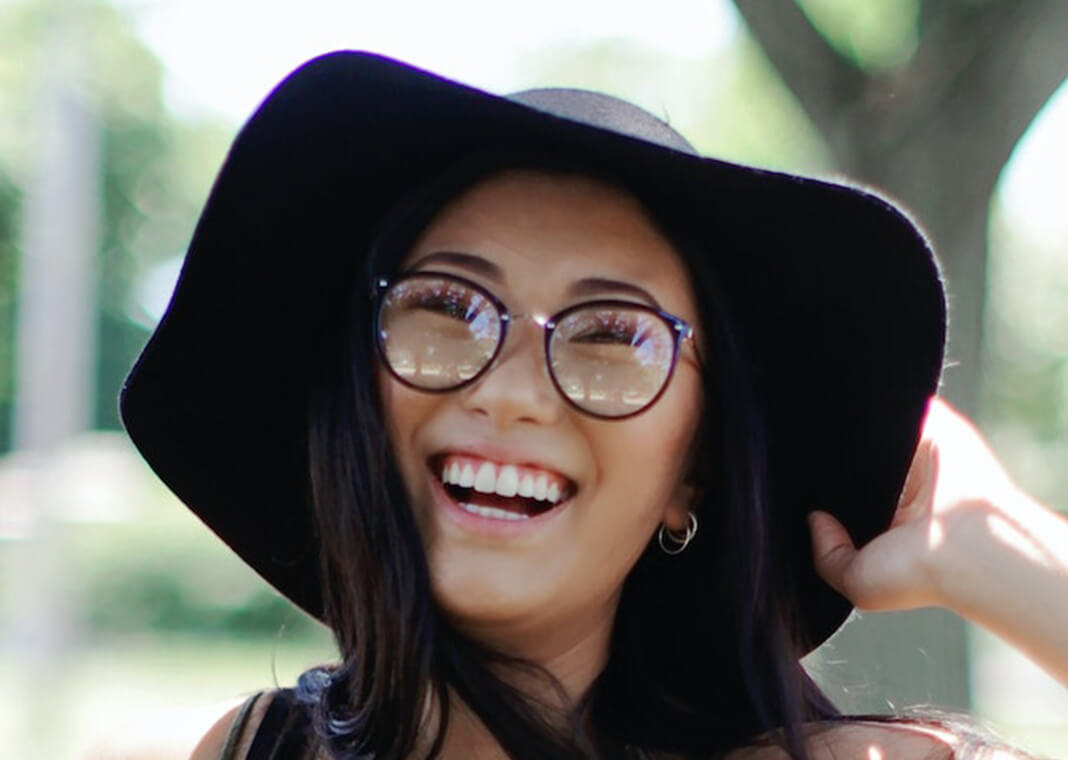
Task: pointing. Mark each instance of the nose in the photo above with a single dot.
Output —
(516, 388)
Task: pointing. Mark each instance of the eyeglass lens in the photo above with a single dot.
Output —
(437, 333)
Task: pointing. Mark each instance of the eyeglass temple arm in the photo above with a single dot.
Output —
(690, 336)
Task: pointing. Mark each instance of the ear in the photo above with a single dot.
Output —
(688, 491)
(677, 510)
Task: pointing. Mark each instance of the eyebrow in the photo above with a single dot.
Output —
(468, 261)
(587, 286)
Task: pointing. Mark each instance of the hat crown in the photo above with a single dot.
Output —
(604, 111)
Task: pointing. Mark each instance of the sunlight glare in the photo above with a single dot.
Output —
(1034, 183)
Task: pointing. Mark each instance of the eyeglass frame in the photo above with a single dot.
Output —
(681, 331)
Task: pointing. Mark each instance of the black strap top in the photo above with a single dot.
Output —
(283, 734)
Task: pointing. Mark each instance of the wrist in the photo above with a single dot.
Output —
(960, 548)
(982, 546)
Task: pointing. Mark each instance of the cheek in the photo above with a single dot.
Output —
(642, 463)
(651, 452)
(637, 491)
(405, 412)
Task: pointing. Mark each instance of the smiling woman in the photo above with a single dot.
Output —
(532, 406)
(544, 578)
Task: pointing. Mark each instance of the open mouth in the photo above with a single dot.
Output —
(500, 491)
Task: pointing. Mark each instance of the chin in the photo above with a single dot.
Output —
(501, 592)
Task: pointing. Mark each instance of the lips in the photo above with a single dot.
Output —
(499, 490)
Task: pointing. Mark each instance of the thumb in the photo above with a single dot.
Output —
(832, 549)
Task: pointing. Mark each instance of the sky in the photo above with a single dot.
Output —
(222, 56)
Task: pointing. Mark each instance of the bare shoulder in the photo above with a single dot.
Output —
(876, 741)
(186, 734)
(863, 740)
(211, 744)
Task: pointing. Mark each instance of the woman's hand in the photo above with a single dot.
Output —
(953, 474)
(963, 537)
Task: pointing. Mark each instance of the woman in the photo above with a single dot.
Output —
(569, 434)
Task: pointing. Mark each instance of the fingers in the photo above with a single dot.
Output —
(833, 551)
(963, 466)
(952, 471)
(917, 495)
(888, 573)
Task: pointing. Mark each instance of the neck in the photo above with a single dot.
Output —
(573, 652)
(573, 649)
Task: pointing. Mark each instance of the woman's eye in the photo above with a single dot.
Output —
(607, 330)
(463, 307)
(449, 307)
(605, 335)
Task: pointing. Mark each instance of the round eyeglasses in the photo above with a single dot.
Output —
(438, 332)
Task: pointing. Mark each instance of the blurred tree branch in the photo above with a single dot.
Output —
(998, 61)
(821, 79)
(934, 132)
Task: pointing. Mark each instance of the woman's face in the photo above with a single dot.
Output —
(543, 242)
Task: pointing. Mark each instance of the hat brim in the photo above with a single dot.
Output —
(839, 293)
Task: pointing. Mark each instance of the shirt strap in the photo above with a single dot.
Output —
(237, 728)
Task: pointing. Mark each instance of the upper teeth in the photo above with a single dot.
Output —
(503, 480)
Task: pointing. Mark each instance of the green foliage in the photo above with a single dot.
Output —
(759, 120)
(159, 574)
(9, 207)
(154, 171)
(877, 35)
(1025, 384)
(173, 575)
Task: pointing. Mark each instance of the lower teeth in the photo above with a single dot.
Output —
(500, 514)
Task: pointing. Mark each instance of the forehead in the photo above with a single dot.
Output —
(544, 230)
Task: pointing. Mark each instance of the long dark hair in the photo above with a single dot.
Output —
(706, 646)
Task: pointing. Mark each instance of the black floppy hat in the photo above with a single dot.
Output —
(839, 294)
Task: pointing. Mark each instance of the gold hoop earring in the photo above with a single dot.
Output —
(672, 542)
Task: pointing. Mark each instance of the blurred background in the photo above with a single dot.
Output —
(116, 604)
